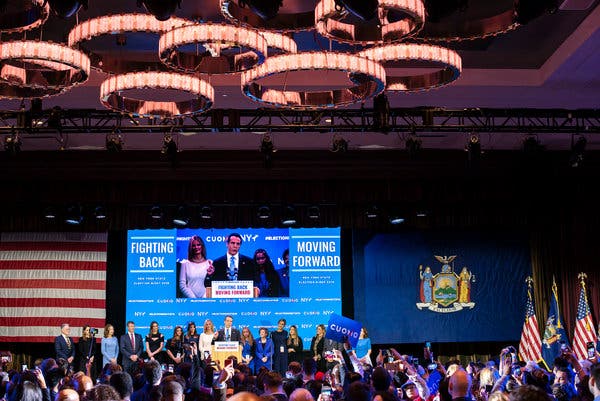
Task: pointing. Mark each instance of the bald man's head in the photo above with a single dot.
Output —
(244, 396)
(83, 383)
(67, 395)
(460, 384)
(301, 394)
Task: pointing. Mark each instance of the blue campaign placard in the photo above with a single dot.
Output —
(341, 328)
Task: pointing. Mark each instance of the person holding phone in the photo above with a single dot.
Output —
(264, 350)
(248, 348)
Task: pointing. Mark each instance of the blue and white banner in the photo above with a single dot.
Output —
(341, 328)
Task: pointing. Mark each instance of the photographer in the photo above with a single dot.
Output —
(86, 349)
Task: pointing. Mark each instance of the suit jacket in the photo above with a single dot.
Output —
(235, 335)
(246, 269)
(127, 350)
(62, 350)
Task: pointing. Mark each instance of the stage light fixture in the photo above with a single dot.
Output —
(314, 212)
(161, 9)
(74, 215)
(473, 148)
(366, 10)
(156, 212)
(266, 9)
(50, 213)
(578, 151)
(206, 213)
(66, 8)
(396, 219)
(100, 212)
(169, 146)
(267, 148)
(114, 141)
(289, 216)
(372, 212)
(181, 217)
(12, 142)
(339, 144)
(264, 212)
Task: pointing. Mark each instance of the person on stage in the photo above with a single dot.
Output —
(86, 349)
(316, 348)
(109, 346)
(294, 346)
(207, 337)
(279, 337)
(267, 278)
(248, 348)
(228, 333)
(155, 343)
(63, 344)
(175, 347)
(284, 274)
(263, 350)
(233, 266)
(131, 347)
(363, 348)
(191, 336)
(194, 270)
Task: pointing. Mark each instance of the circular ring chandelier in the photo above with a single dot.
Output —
(283, 22)
(21, 16)
(449, 59)
(34, 64)
(213, 36)
(367, 75)
(111, 97)
(119, 24)
(328, 21)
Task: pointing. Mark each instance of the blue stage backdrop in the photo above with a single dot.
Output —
(160, 287)
(440, 286)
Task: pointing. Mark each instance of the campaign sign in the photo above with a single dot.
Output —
(232, 289)
(339, 328)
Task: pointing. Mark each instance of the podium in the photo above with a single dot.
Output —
(222, 350)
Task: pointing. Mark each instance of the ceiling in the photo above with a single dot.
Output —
(551, 62)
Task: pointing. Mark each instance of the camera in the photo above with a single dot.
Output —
(93, 331)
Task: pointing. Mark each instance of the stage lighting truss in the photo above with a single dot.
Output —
(21, 16)
(283, 22)
(228, 49)
(367, 75)
(120, 24)
(42, 67)
(398, 19)
(449, 60)
(202, 94)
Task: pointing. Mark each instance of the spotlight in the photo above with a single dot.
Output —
(161, 9)
(267, 148)
(395, 219)
(339, 144)
(156, 212)
(289, 216)
(100, 213)
(264, 213)
(74, 215)
(266, 9)
(372, 212)
(169, 146)
(12, 143)
(181, 217)
(578, 151)
(314, 212)
(114, 141)
(473, 147)
(363, 9)
(206, 213)
(66, 8)
(50, 213)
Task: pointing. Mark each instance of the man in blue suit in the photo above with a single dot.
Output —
(131, 347)
(63, 344)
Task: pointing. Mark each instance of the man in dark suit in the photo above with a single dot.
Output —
(63, 344)
(131, 347)
(233, 266)
(228, 333)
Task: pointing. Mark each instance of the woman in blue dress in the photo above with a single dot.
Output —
(263, 351)
(248, 348)
(109, 346)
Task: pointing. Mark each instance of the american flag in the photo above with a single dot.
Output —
(584, 327)
(530, 347)
(49, 279)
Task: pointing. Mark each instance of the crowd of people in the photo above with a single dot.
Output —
(275, 367)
